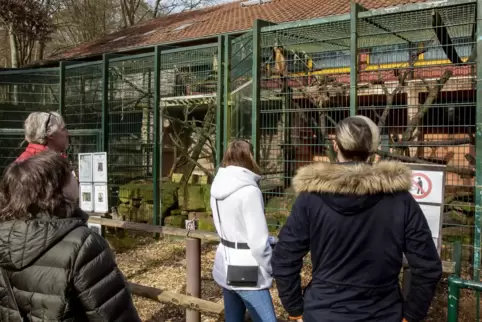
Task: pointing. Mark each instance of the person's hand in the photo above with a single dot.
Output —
(272, 240)
(296, 319)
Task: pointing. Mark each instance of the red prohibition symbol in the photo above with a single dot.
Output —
(421, 185)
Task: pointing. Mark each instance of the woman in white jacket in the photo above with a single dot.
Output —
(243, 259)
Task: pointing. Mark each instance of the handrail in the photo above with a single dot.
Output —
(455, 284)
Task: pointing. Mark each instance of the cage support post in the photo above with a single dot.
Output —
(220, 100)
(157, 160)
(227, 92)
(456, 258)
(105, 102)
(193, 282)
(62, 89)
(353, 58)
(478, 151)
(256, 87)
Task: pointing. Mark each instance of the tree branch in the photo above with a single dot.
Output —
(459, 171)
(181, 149)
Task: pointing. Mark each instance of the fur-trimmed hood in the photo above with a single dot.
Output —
(354, 178)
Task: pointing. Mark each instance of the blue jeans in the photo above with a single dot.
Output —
(259, 304)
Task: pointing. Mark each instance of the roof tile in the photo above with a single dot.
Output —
(215, 20)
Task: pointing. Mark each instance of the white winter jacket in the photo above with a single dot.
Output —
(243, 220)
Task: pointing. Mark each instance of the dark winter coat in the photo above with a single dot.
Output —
(357, 220)
(61, 271)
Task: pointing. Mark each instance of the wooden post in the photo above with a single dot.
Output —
(193, 281)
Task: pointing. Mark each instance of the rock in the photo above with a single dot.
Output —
(177, 221)
(127, 212)
(141, 190)
(146, 213)
(463, 234)
(273, 223)
(206, 223)
(194, 197)
(280, 205)
(139, 195)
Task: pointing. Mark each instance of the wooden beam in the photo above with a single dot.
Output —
(178, 299)
(167, 231)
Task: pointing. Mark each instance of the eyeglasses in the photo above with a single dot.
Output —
(47, 124)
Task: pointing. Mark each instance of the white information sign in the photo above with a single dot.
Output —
(99, 162)
(428, 189)
(101, 204)
(427, 186)
(432, 213)
(86, 197)
(85, 167)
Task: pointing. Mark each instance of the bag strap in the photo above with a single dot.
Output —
(221, 231)
(10, 292)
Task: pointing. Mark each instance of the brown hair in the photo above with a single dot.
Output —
(240, 153)
(35, 186)
(357, 137)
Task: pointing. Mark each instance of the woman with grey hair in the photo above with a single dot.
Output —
(358, 220)
(44, 130)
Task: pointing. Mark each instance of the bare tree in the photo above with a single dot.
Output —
(133, 11)
(27, 23)
(166, 7)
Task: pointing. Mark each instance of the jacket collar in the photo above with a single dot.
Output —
(34, 148)
(354, 178)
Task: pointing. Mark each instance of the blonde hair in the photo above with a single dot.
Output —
(39, 125)
(240, 153)
(357, 137)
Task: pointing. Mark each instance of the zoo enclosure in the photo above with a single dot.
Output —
(412, 69)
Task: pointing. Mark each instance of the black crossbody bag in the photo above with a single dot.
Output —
(238, 276)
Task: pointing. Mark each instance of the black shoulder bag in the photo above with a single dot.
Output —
(237, 276)
(12, 295)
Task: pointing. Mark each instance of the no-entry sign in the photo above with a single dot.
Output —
(427, 185)
(428, 182)
(421, 185)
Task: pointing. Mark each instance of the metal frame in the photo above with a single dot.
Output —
(157, 159)
(256, 88)
(226, 91)
(478, 149)
(355, 8)
(62, 88)
(220, 99)
(105, 102)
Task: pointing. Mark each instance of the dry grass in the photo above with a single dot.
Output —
(162, 264)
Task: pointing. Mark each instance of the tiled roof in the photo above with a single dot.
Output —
(211, 21)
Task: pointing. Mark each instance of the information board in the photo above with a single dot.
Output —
(428, 189)
(93, 182)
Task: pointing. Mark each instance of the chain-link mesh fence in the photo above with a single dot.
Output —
(416, 82)
(131, 136)
(304, 93)
(21, 93)
(188, 89)
(83, 108)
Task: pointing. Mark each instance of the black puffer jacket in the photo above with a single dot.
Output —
(61, 271)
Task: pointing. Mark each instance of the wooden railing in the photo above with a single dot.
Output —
(192, 302)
